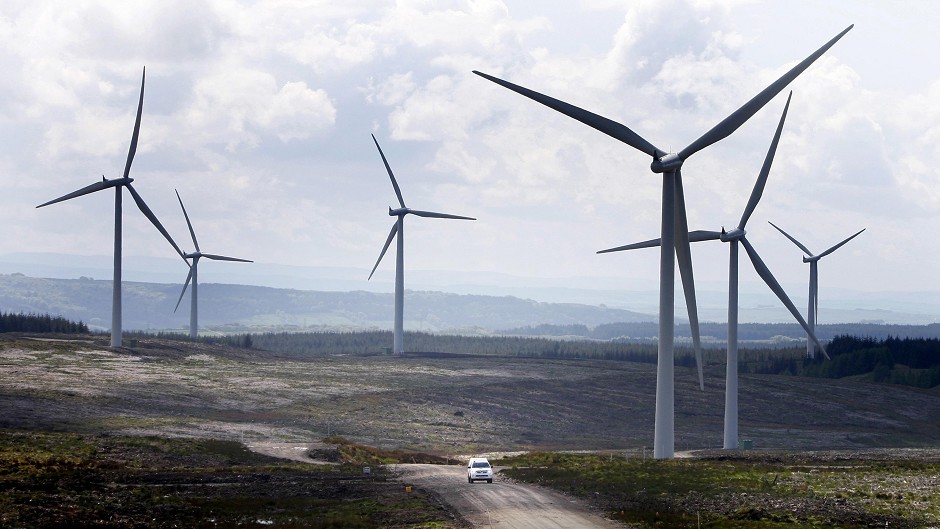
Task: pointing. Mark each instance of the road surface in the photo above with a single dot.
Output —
(503, 504)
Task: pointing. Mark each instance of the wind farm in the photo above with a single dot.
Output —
(733, 237)
(301, 391)
(674, 226)
(117, 184)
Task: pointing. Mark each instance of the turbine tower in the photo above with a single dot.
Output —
(733, 237)
(674, 230)
(812, 313)
(195, 256)
(398, 229)
(117, 184)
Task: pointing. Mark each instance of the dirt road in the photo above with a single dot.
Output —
(503, 504)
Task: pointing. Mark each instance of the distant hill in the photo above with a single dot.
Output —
(149, 306)
(757, 304)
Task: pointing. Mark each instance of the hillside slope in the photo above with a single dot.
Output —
(149, 306)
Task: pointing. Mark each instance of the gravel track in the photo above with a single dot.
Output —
(503, 503)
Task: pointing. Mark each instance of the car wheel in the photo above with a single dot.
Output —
(489, 481)
(469, 480)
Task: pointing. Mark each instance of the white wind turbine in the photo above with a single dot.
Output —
(398, 229)
(117, 184)
(674, 230)
(812, 313)
(193, 268)
(733, 237)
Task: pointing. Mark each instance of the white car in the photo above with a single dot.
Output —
(479, 469)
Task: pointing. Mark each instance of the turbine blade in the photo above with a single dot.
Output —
(794, 241)
(836, 247)
(390, 175)
(652, 243)
(741, 115)
(607, 126)
(224, 258)
(140, 109)
(703, 235)
(185, 285)
(97, 186)
(153, 219)
(768, 278)
(434, 215)
(190, 224)
(694, 236)
(684, 259)
(391, 235)
(765, 169)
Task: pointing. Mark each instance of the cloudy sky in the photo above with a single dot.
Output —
(260, 114)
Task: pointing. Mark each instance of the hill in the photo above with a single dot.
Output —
(149, 306)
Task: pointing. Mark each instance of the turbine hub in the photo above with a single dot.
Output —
(667, 164)
(114, 182)
(400, 212)
(734, 235)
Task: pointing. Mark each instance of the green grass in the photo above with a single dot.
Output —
(744, 493)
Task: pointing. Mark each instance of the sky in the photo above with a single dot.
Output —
(260, 115)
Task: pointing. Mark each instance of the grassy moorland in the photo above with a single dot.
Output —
(750, 490)
(58, 480)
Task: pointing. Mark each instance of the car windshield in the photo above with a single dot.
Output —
(481, 464)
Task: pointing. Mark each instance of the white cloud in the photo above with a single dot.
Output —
(262, 106)
(391, 91)
(235, 107)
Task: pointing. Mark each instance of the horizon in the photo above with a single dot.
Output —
(758, 304)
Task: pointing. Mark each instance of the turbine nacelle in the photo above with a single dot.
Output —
(116, 181)
(399, 212)
(667, 164)
(734, 235)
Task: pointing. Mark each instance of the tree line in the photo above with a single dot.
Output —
(20, 322)
(907, 361)
(746, 331)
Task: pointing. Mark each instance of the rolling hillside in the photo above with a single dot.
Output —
(149, 306)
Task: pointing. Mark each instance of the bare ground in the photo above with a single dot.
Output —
(447, 405)
(465, 405)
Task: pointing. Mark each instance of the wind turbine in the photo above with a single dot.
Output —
(398, 229)
(674, 231)
(117, 184)
(195, 256)
(813, 311)
(733, 237)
